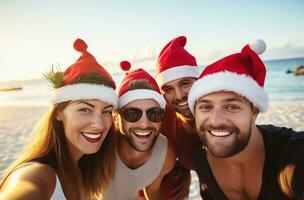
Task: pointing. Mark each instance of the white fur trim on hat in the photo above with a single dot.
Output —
(176, 73)
(228, 81)
(85, 91)
(133, 95)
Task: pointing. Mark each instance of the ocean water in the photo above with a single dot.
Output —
(279, 84)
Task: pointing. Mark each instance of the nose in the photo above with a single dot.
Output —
(179, 93)
(217, 117)
(143, 122)
(99, 122)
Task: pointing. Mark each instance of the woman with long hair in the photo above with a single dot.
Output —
(70, 154)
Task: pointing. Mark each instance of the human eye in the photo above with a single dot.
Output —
(107, 113)
(185, 84)
(84, 110)
(232, 107)
(167, 90)
(204, 107)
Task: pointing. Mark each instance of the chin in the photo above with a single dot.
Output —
(91, 150)
(88, 152)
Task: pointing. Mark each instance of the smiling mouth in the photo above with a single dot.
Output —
(91, 137)
(142, 133)
(219, 133)
(182, 104)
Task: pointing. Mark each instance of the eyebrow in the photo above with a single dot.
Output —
(185, 80)
(238, 99)
(203, 101)
(109, 106)
(165, 87)
(87, 103)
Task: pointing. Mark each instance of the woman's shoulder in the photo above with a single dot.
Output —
(30, 181)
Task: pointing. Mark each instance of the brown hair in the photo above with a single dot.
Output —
(93, 172)
(140, 84)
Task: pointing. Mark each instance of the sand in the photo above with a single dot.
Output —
(17, 122)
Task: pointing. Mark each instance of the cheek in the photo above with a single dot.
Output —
(73, 122)
(242, 122)
(187, 89)
(109, 122)
(199, 118)
(124, 126)
(169, 97)
(157, 126)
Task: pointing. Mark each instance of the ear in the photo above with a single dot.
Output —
(255, 111)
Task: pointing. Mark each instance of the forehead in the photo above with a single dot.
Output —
(176, 82)
(222, 96)
(143, 103)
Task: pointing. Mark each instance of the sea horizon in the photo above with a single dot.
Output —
(151, 69)
(279, 84)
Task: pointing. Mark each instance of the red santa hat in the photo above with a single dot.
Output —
(126, 96)
(175, 62)
(85, 79)
(242, 73)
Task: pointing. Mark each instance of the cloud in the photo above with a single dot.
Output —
(139, 59)
(289, 49)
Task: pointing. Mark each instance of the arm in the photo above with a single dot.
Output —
(153, 192)
(36, 181)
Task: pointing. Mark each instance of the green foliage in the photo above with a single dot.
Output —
(55, 78)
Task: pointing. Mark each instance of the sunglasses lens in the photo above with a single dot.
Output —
(155, 114)
(131, 114)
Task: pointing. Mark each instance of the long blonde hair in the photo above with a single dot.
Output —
(93, 172)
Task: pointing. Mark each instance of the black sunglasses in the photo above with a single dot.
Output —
(133, 114)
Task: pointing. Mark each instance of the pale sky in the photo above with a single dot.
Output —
(36, 34)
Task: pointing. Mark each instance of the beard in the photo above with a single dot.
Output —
(184, 111)
(224, 150)
(130, 137)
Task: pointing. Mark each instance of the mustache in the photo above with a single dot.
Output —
(220, 127)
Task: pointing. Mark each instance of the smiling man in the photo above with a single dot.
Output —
(239, 159)
(143, 155)
(176, 71)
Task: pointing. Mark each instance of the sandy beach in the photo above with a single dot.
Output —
(16, 123)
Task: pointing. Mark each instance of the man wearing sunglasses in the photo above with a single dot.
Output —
(176, 72)
(143, 155)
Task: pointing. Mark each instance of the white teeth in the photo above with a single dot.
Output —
(92, 136)
(183, 103)
(142, 132)
(220, 133)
